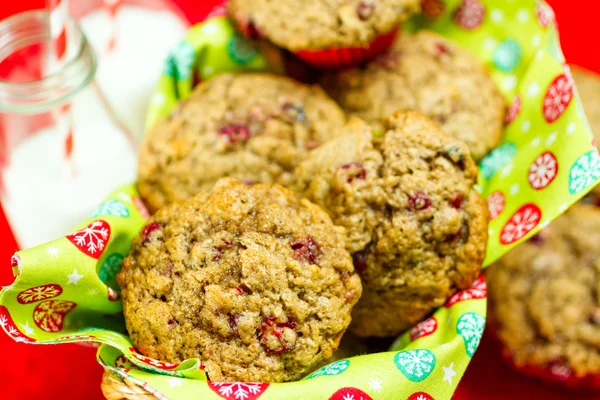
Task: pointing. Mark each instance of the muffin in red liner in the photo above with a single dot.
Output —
(325, 34)
(544, 305)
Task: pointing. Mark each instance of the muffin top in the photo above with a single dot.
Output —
(426, 73)
(251, 280)
(544, 296)
(321, 24)
(253, 127)
(413, 223)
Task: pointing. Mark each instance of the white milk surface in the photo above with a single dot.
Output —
(129, 72)
(43, 200)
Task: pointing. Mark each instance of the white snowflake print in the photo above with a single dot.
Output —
(557, 98)
(584, 172)
(533, 89)
(238, 390)
(416, 365)
(174, 382)
(335, 368)
(551, 139)
(514, 189)
(28, 329)
(449, 373)
(375, 384)
(470, 327)
(124, 196)
(74, 277)
(496, 202)
(521, 223)
(93, 237)
(543, 170)
(53, 251)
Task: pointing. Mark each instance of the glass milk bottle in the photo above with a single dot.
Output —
(61, 148)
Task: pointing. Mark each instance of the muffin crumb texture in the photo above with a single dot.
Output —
(416, 229)
(252, 281)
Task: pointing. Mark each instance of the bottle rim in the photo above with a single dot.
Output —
(52, 89)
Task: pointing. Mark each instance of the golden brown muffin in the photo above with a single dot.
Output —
(415, 227)
(251, 280)
(321, 24)
(427, 73)
(544, 298)
(252, 127)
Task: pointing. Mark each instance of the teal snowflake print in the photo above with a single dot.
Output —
(507, 55)
(416, 365)
(112, 207)
(584, 172)
(180, 62)
(335, 368)
(470, 328)
(109, 269)
(498, 158)
(241, 50)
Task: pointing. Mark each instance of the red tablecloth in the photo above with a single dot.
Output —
(23, 368)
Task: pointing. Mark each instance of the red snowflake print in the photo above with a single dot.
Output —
(350, 393)
(423, 329)
(420, 396)
(558, 97)
(10, 327)
(39, 293)
(543, 170)
(470, 14)
(238, 390)
(49, 315)
(496, 202)
(152, 361)
(92, 239)
(123, 363)
(139, 204)
(478, 290)
(433, 9)
(521, 223)
(113, 295)
(15, 263)
(544, 14)
(513, 110)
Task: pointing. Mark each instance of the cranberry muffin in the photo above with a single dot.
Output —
(416, 229)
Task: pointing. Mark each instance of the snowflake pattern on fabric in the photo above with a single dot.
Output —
(496, 203)
(335, 368)
(109, 270)
(584, 172)
(478, 290)
(180, 62)
(544, 14)
(514, 109)
(241, 50)
(470, 14)
(470, 327)
(112, 207)
(521, 223)
(497, 159)
(50, 315)
(543, 170)
(420, 396)
(350, 393)
(9, 326)
(424, 328)
(39, 293)
(507, 55)
(238, 390)
(557, 98)
(416, 365)
(92, 239)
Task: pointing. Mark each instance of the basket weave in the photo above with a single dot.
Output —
(114, 387)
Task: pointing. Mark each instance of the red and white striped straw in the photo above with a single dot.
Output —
(59, 13)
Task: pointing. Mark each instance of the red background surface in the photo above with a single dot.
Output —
(25, 371)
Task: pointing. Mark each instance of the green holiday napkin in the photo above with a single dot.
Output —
(65, 290)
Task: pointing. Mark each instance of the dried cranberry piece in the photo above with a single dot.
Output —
(456, 201)
(294, 112)
(243, 289)
(148, 229)
(365, 9)
(360, 261)
(389, 59)
(354, 171)
(419, 201)
(536, 239)
(442, 49)
(249, 183)
(235, 133)
(232, 320)
(462, 235)
(307, 250)
(278, 337)
(171, 322)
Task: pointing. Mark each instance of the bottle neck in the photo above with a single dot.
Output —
(50, 89)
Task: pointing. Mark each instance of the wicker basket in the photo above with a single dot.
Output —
(114, 387)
